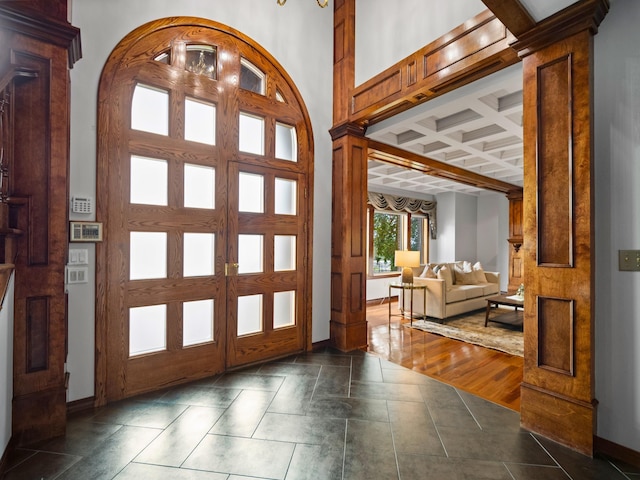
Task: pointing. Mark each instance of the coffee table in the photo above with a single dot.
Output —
(514, 318)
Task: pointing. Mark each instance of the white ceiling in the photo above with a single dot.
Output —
(477, 127)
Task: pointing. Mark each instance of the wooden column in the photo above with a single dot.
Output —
(45, 46)
(516, 263)
(558, 386)
(349, 204)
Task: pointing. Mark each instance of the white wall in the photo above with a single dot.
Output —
(298, 35)
(493, 231)
(617, 176)
(388, 31)
(379, 287)
(6, 367)
(466, 227)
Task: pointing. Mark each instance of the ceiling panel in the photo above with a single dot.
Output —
(477, 127)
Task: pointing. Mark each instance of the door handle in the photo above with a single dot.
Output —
(231, 269)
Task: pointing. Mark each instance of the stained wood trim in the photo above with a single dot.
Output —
(46, 29)
(436, 168)
(481, 47)
(617, 451)
(583, 15)
(512, 14)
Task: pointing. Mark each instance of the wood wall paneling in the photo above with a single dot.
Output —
(558, 387)
(471, 51)
(36, 37)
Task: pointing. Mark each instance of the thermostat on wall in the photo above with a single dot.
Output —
(85, 231)
(82, 205)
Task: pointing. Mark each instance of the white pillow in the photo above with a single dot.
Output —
(479, 273)
(445, 274)
(428, 272)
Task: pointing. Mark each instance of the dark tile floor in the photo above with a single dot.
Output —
(324, 415)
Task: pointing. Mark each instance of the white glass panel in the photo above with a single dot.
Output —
(251, 134)
(149, 181)
(199, 122)
(284, 257)
(250, 254)
(197, 322)
(250, 192)
(286, 142)
(285, 196)
(148, 255)
(147, 329)
(199, 186)
(284, 309)
(249, 314)
(150, 110)
(199, 254)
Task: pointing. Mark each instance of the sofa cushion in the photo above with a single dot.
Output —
(490, 288)
(471, 291)
(455, 295)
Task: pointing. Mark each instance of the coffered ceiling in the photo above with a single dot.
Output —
(477, 127)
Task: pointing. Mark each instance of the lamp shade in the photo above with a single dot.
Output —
(407, 259)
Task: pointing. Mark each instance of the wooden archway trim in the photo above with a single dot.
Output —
(558, 393)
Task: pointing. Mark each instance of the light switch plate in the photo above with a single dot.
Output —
(629, 260)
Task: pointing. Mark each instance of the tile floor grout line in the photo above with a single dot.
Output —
(535, 439)
(468, 409)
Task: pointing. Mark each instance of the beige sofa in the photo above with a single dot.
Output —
(461, 292)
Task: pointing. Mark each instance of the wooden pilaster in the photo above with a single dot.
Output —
(558, 385)
(348, 224)
(516, 263)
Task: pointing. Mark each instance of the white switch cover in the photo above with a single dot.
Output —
(77, 275)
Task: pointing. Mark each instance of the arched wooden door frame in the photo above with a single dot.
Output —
(279, 103)
(558, 388)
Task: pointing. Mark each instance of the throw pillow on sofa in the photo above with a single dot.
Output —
(445, 274)
(428, 272)
(465, 278)
(479, 273)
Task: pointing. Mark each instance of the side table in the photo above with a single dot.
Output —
(404, 287)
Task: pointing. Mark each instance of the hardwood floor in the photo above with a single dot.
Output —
(492, 375)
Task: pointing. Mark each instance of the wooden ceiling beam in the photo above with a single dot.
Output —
(512, 14)
(397, 156)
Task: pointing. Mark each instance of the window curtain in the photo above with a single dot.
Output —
(392, 203)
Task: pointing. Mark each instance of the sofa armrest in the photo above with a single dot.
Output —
(492, 277)
(436, 296)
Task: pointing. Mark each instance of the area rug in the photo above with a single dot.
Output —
(470, 328)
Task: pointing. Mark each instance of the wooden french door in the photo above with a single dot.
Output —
(265, 282)
(204, 172)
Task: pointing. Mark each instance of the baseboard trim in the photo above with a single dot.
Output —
(321, 344)
(614, 450)
(80, 405)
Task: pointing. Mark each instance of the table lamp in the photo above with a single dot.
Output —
(407, 259)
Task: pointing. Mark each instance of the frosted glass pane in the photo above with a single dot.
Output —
(199, 122)
(251, 134)
(148, 255)
(286, 142)
(197, 322)
(250, 254)
(285, 196)
(149, 181)
(284, 255)
(199, 186)
(284, 309)
(147, 329)
(199, 254)
(251, 193)
(150, 110)
(249, 314)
